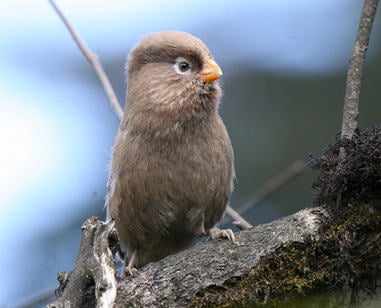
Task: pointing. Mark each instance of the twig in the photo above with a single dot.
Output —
(238, 220)
(37, 299)
(356, 63)
(94, 62)
(269, 187)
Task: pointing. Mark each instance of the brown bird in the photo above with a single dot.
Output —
(172, 170)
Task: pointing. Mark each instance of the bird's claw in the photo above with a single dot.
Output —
(129, 268)
(130, 271)
(215, 233)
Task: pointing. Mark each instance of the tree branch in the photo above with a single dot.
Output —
(238, 220)
(356, 63)
(93, 278)
(268, 188)
(316, 248)
(94, 62)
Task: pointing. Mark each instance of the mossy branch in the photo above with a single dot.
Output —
(316, 248)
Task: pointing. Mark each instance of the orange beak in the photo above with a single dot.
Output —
(210, 71)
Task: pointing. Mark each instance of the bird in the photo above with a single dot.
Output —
(171, 173)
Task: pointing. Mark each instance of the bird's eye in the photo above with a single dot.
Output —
(182, 66)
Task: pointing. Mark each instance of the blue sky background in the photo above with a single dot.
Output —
(56, 128)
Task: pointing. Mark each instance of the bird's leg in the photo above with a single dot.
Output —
(215, 233)
(130, 269)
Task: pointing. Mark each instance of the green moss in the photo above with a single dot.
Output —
(348, 250)
(346, 254)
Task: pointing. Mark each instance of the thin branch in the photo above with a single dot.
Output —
(269, 187)
(38, 298)
(238, 220)
(94, 62)
(356, 64)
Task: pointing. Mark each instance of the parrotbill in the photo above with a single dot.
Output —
(172, 171)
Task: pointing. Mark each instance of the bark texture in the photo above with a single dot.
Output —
(314, 249)
(356, 64)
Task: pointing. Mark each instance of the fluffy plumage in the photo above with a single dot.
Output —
(172, 171)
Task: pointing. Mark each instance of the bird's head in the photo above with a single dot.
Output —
(172, 73)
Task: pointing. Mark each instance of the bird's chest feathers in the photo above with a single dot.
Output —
(174, 142)
(176, 150)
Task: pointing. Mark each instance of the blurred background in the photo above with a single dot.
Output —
(284, 66)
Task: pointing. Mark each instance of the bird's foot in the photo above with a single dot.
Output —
(130, 269)
(215, 233)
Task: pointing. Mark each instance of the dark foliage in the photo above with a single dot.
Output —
(354, 176)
